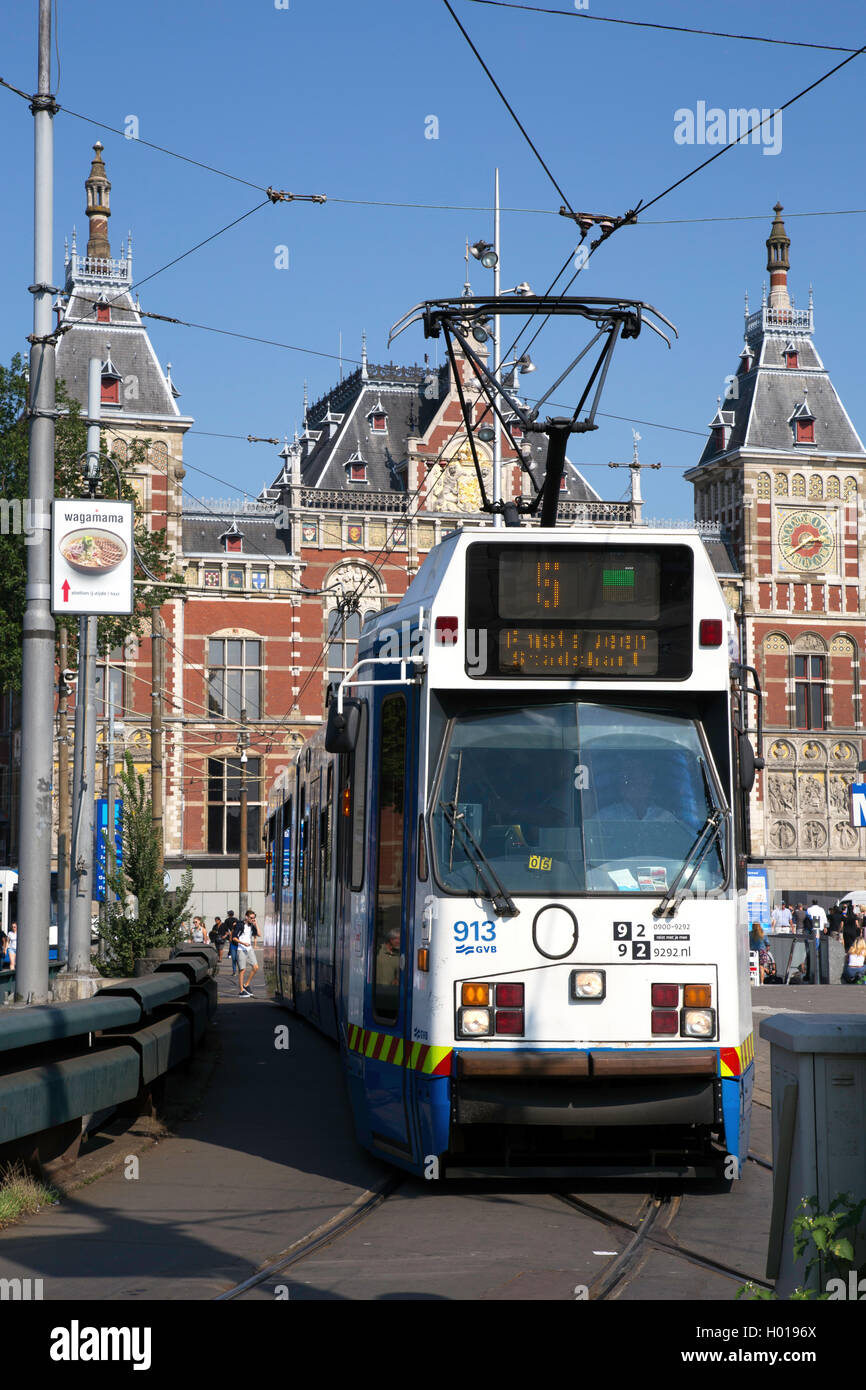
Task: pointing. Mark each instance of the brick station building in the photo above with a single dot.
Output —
(274, 589)
(783, 472)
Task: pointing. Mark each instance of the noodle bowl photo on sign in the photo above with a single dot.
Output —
(92, 551)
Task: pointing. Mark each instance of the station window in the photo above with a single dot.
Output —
(809, 691)
(234, 677)
(224, 805)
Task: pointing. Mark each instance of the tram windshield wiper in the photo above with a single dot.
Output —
(494, 889)
(703, 842)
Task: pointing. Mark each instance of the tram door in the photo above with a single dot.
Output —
(385, 1076)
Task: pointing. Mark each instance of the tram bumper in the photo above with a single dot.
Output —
(603, 1088)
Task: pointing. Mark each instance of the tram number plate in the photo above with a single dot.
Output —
(624, 932)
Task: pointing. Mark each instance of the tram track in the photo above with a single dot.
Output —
(338, 1225)
(649, 1233)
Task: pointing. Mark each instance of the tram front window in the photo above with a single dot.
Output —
(575, 798)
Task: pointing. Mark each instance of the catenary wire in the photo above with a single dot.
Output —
(509, 107)
(669, 28)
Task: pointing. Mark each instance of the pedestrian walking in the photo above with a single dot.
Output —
(837, 917)
(781, 919)
(198, 935)
(231, 924)
(12, 945)
(850, 926)
(248, 965)
(216, 937)
(819, 919)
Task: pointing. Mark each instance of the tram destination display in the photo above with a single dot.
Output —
(581, 610)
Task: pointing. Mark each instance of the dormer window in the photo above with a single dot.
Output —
(356, 468)
(232, 540)
(803, 422)
(110, 393)
(805, 431)
(516, 431)
(719, 440)
(378, 417)
(103, 313)
(792, 356)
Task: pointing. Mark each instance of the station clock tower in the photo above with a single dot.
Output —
(783, 472)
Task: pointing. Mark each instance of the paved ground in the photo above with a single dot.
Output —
(269, 1156)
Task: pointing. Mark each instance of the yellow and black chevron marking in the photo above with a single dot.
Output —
(733, 1061)
(432, 1061)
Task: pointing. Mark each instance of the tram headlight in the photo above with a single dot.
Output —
(698, 1023)
(588, 984)
(474, 1023)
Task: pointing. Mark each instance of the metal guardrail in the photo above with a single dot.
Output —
(61, 1062)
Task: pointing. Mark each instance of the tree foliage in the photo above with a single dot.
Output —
(160, 914)
(70, 445)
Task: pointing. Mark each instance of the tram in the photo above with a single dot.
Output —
(506, 875)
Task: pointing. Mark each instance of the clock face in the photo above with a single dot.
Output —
(806, 541)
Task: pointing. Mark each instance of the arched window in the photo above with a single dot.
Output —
(850, 488)
(781, 485)
(816, 487)
(798, 485)
(833, 489)
(810, 683)
(763, 485)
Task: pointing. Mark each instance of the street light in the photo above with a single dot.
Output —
(486, 253)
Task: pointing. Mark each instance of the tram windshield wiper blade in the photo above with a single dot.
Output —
(500, 897)
(703, 841)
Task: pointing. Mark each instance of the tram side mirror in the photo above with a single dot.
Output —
(748, 763)
(341, 732)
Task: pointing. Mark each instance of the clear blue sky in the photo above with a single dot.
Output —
(333, 98)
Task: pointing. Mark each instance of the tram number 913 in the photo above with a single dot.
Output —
(625, 935)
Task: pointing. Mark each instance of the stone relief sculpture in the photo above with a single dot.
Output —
(781, 793)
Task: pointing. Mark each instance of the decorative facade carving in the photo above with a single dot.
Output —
(780, 486)
(783, 836)
(782, 751)
(842, 646)
(780, 790)
(763, 489)
(775, 643)
(809, 643)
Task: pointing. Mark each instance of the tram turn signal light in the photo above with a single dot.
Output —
(711, 632)
(423, 958)
(697, 996)
(347, 801)
(475, 994)
(664, 1021)
(665, 996)
(446, 632)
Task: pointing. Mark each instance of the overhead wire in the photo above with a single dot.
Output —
(668, 28)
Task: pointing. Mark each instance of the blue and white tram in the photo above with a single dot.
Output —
(510, 891)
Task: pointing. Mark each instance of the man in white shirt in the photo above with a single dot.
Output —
(818, 917)
(245, 936)
(781, 919)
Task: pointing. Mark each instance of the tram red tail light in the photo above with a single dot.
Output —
(509, 996)
(446, 632)
(665, 1022)
(697, 996)
(665, 996)
(510, 1021)
(711, 632)
(474, 994)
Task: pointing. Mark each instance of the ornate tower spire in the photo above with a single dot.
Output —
(98, 210)
(778, 263)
